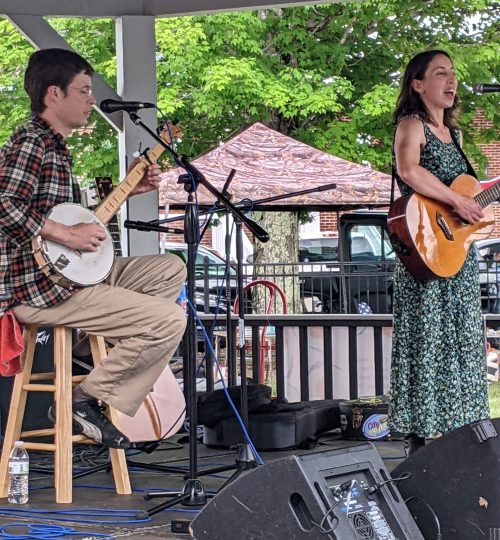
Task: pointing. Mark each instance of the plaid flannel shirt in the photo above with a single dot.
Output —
(35, 175)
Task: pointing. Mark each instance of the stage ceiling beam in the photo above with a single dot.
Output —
(154, 8)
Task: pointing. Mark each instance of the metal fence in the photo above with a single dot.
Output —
(323, 288)
(312, 356)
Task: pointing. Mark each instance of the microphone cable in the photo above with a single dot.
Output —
(373, 489)
(439, 535)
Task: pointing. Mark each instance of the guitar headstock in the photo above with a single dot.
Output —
(170, 132)
(103, 186)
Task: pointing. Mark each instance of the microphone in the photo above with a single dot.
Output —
(486, 88)
(112, 105)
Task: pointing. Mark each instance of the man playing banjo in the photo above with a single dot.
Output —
(134, 308)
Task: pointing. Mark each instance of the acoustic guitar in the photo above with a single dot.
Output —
(103, 187)
(430, 238)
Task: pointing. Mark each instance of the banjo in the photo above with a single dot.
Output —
(68, 267)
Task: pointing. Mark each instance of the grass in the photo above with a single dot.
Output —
(494, 395)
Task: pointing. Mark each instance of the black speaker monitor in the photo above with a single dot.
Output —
(324, 495)
(458, 477)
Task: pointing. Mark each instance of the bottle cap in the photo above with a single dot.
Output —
(19, 443)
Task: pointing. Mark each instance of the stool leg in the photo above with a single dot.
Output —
(17, 406)
(63, 459)
(118, 459)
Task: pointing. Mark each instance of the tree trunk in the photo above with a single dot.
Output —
(282, 228)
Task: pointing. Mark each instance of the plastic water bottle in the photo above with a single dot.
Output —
(19, 468)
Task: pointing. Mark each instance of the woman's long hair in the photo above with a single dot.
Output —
(409, 101)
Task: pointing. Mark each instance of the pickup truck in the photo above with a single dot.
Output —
(351, 272)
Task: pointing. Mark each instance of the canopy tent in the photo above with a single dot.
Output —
(268, 164)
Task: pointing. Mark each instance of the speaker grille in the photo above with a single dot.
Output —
(361, 524)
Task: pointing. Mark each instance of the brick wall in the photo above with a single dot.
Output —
(492, 153)
(328, 221)
(171, 237)
(491, 150)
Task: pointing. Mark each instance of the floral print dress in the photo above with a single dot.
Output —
(438, 370)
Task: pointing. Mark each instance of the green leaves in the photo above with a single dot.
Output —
(327, 74)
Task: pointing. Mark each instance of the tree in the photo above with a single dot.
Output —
(95, 147)
(326, 75)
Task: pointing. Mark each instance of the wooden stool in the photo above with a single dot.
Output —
(62, 446)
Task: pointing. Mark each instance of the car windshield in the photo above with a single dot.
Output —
(318, 249)
(490, 252)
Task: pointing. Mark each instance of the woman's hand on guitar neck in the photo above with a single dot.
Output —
(80, 237)
(467, 208)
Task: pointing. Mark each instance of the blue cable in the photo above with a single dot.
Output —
(227, 274)
(228, 397)
(115, 516)
(44, 531)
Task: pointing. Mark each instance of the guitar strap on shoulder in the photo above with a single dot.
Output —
(393, 169)
(393, 183)
(470, 168)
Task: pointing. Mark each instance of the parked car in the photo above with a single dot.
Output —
(363, 281)
(210, 272)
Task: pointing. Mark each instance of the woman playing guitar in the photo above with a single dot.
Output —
(438, 373)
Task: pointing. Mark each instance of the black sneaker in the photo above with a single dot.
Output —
(51, 413)
(89, 419)
(94, 424)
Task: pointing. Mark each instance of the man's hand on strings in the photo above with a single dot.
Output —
(151, 179)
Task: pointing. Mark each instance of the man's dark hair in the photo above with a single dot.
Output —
(49, 67)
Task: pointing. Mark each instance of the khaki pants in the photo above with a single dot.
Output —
(135, 309)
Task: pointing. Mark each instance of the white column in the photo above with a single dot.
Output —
(136, 73)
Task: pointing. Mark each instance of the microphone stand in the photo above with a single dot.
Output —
(193, 492)
(245, 459)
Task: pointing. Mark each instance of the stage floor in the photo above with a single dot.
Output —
(96, 490)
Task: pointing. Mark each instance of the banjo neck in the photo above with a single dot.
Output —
(111, 204)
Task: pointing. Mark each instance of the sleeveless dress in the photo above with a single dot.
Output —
(438, 370)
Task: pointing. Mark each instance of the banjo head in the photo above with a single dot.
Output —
(85, 268)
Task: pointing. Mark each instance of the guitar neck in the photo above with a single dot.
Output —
(488, 196)
(114, 231)
(103, 187)
(111, 204)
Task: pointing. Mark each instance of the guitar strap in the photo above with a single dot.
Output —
(470, 168)
(393, 183)
(393, 169)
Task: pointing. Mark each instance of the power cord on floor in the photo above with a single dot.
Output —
(114, 517)
(38, 531)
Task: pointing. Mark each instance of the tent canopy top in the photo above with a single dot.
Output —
(269, 164)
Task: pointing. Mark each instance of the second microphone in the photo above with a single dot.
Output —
(112, 105)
